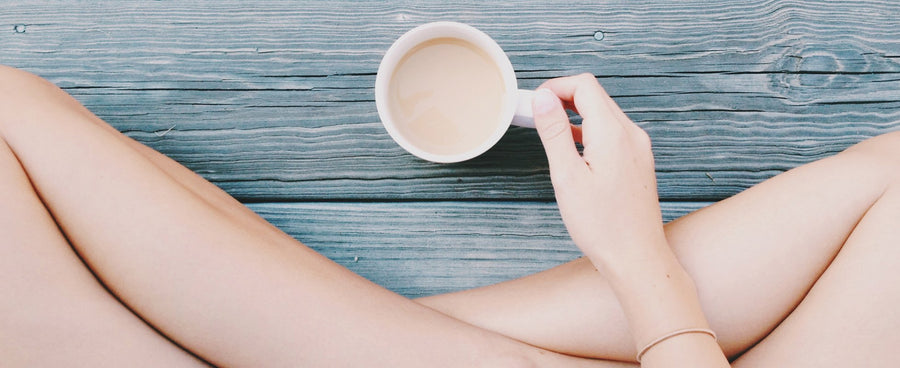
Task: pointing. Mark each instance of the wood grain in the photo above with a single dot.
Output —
(272, 100)
(424, 248)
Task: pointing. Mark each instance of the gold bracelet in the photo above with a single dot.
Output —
(673, 334)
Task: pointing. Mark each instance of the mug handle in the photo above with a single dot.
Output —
(524, 117)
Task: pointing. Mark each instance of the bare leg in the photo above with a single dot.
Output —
(226, 286)
(202, 187)
(753, 258)
(850, 317)
(53, 312)
(211, 194)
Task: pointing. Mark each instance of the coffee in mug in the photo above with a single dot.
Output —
(446, 96)
(446, 92)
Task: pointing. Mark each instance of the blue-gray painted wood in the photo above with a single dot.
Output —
(424, 248)
(273, 99)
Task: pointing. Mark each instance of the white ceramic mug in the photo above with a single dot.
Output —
(516, 103)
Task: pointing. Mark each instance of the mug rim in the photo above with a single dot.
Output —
(441, 29)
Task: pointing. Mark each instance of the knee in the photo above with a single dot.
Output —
(25, 95)
(15, 82)
(18, 90)
(885, 147)
(883, 151)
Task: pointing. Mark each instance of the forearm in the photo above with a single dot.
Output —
(658, 298)
(607, 197)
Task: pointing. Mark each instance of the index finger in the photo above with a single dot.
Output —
(567, 87)
(601, 120)
(584, 86)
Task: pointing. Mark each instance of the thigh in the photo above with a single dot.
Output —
(752, 256)
(215, 278)
(53, 312)
(55, 99)
(850, 317)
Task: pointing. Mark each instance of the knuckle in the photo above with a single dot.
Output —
(590, 83)
(587, 77)
(640, 137)
(615, 131)
(553, 129)
(548, 82)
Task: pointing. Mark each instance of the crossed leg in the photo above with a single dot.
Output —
(203, 270)
(754, 257)
(53, 312)
(134, 238)
(851, 316)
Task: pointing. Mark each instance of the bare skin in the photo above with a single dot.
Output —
(753, 258)
(229, 288)
(236, 291)
(608, 200)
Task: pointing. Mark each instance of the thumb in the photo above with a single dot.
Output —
(553, 126)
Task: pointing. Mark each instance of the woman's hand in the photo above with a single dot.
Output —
(608, 201)
(607, 197)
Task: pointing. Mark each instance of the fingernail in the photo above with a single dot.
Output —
(544, 101)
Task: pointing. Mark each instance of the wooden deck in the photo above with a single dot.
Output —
(273, 101)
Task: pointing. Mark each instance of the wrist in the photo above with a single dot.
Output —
(625, 256)
(656, 293)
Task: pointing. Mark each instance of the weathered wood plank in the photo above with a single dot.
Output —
(423, 248)
(273, 100)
